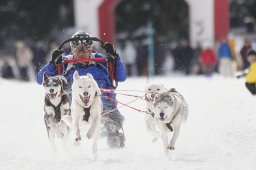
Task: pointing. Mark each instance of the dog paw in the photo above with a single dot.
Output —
(170, 147)
(59, 134)
(89, 135)
(77, 139)
(76, 143)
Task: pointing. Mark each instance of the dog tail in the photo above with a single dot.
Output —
(67, 120)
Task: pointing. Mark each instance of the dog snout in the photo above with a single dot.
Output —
(86, 93)
(161, 114)
(51, 90)
(152, 95)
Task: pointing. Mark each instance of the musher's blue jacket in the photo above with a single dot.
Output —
(100, 72)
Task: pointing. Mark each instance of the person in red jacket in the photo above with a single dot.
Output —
(208, 60)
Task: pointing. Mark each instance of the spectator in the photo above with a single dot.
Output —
(207, 60)
(250, 81)
(40, 53)
(142, 59)
(7, 71)
(243, 52)
(225, 59)
(130, 59)
(24, 59)
(183, 56)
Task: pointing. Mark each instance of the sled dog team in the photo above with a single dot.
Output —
(165, 111)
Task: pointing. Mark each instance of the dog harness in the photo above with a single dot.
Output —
(169, 124)
(86, 114)
(57, 111)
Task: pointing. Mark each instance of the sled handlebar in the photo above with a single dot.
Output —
(80, 39)
(84, 60)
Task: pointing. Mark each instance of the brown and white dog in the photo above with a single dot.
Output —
(56, 106)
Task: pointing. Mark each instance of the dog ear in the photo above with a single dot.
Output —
(63, 79)
(64, 83)
(172, 90)
(89, 76)
(76, 75)
(98, 92)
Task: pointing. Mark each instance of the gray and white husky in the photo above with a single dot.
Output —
(56, 106)
(170, 110)
(86, 108)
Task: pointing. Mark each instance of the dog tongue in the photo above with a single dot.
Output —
(52, 96)
(85, 99)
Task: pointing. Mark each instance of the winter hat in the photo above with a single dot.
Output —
(250, 52)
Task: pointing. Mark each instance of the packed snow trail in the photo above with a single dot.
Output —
(220, 133)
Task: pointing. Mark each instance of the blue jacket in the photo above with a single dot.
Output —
(224, 51)
(100, 72)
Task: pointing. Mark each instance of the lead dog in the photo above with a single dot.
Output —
(170, 110)
(150, 92)
(86, 107)
(56, 106)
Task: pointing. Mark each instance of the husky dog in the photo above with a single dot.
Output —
(86, 107)
(56, 106)
(150, 92)
(170, 110)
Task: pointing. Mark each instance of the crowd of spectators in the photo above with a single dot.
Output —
(180, 57)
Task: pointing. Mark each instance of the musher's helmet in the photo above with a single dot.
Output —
(81, 39)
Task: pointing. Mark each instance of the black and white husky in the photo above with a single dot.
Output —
(170, 110)
(56, 106)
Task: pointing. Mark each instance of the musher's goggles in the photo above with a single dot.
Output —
(81, 41)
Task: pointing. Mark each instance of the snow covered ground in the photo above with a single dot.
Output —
(220, 133)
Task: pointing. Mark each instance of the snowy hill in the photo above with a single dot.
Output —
(220, 133)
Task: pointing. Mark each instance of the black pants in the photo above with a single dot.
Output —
(251, 87)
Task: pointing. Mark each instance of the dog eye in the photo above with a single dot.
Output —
(89, 86)
(80, 87)
(158, 89)
(55, 84)
(149, 89)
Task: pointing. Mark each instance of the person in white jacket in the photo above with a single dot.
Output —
(24, 59)
(130, 59)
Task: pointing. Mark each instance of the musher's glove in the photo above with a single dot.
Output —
(56, 57)
(112, 55)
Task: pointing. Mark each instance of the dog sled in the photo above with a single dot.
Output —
(113, 123)
(111, 72)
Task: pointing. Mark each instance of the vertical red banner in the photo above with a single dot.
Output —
(221, 18)
(107, 20)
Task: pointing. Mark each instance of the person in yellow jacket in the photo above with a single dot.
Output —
(250, 79)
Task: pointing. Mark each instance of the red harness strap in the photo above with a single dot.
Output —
(111, 71)
(123, 105)
(59, 69)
